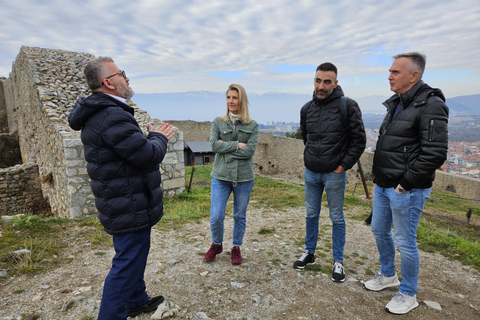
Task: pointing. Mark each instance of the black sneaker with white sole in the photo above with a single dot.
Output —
(306, 258)
(338, 272)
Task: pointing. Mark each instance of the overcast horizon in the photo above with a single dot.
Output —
(190, 45)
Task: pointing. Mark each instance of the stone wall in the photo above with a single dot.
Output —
(3, 109)
(282, 158)
(9, 150)
(20, 190)
(39, 94)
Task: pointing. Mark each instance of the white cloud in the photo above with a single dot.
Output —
(178, 42)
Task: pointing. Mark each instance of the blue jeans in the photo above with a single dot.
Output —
(334, 185)
(221, 191)
(124, 287)
(403, 211)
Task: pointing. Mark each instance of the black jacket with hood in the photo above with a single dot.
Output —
(412, 146)
(329, 140)
(123, 164)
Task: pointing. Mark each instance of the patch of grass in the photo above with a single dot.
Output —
(44, 238)
(277, 195)
(320, 254)
(318, 268)
(453, 241)
(369, 272)
(266, 231)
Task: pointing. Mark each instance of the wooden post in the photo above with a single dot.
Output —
(363, 179)
(191, 178)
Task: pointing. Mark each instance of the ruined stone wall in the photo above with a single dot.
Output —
(193, 130)
(20, 190)
(39, 94)
(282, 158)
(9, 150)
(3, 109)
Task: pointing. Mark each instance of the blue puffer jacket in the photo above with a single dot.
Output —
(123, 164)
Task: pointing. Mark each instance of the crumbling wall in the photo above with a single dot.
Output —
(39, 94)
(20, 190)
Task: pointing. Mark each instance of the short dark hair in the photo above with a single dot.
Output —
(418, 61)
(94, 72)
(327, 66)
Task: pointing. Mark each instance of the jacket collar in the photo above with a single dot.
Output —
(336, 93)
(416, 96)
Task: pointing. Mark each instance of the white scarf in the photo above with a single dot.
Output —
(234, 117)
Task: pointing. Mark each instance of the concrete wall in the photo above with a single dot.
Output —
(39, 94)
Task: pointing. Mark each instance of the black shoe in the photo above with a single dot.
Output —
(151, 305)
(306, 258)
(338, 272)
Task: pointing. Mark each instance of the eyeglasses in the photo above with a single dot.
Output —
(124, 75)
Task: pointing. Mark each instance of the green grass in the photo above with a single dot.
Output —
(443, 227)
(46, 239)
(266, 231)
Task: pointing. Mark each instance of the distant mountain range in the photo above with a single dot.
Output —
(265, 108)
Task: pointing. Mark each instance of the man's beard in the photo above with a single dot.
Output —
(126, 91)
(129, 94)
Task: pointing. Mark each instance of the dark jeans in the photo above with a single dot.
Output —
(124, 287)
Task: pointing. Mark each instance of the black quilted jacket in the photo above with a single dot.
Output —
(412, 146)
(329, 140)
(123, 164)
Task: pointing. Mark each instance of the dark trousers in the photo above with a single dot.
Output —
(124, 286)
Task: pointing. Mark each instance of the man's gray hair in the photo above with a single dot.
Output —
(418, 62)
(94, 72)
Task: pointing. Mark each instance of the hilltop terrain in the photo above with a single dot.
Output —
(264, 287)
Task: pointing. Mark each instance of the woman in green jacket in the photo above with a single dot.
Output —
(233, 138)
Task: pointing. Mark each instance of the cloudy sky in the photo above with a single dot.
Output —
(265, 45)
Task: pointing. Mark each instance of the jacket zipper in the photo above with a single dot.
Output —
(405, 155)
(430, 132)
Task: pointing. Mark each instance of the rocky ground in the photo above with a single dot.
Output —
(265, 286)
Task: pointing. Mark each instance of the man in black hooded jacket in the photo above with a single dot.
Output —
(412, 144)
(123, 166)
(334, 137)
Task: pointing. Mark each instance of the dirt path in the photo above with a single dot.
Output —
(264, 287)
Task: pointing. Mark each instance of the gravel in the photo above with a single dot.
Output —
(265, 286)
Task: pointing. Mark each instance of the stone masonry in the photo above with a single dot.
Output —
(282, 157)
(39, 94)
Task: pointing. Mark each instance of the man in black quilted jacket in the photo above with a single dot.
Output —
(123, 166)
(412, 144)
(334, 137)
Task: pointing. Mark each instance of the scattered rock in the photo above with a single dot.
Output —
(22, 251)
(433, 305)
(201, 316)
(174, 262)
(165, 310)
(238, 285)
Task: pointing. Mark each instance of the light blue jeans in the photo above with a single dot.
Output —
(334, 185)
(403, 212)
(221, 191)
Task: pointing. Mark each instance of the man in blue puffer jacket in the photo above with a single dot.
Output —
(123, 166)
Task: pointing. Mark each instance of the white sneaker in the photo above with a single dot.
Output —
(401, 303)
(380, 282)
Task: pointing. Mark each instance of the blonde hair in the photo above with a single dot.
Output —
(242, 103)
